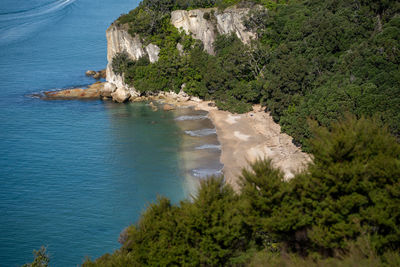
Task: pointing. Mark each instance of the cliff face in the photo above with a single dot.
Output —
(206, 24)
(118, 41)
(203, 24)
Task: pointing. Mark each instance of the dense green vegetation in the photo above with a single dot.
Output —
(317, 60)
(312, 59)
(344, 209)
(333, 57)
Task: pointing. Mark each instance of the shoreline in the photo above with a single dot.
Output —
(247, 137)
(243, 138)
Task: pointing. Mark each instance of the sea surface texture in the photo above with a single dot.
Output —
(73, 174)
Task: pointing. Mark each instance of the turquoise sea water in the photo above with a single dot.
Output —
(73, 174)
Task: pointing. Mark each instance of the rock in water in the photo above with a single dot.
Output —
(92, 92)
(120, 95)
(168, 107)
(153, 107)
(102, 73)
(96, 74)
(90, 73)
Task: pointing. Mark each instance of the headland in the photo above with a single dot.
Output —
(244, 138)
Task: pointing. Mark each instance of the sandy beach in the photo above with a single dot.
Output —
(244, 138)
(247, 137)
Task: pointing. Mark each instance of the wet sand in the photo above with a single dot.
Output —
(247, 137)
(243, 138)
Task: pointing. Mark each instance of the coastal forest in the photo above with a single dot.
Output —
(344, 210)
(329, 73)
(311, 60)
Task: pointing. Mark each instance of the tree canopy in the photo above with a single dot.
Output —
(312, 59)
(346, 203)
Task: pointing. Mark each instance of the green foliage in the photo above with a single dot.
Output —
(312, 59)
(328, 58)
(355, 179)
(344, 210)
(360, 254)
(230, 77)
(120, 63)
(348, 191)
(41, 259)
(148, 17)
(208, 231)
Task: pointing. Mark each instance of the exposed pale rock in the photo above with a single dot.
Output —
(153, 51)
(168, 107)
(220, 22)
(231, 21)
(153, 107)
(108, 89)
(182, 96)
(195, 99)
(180, 49)
(120, 95)
(194, 22)
(96, 74)
(118, 41)
(90, 72)
(93, 92)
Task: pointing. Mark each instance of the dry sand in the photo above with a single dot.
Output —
(244, 138)
(247, 137)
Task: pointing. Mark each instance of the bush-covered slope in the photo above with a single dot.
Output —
(345, 208)
(312, 59)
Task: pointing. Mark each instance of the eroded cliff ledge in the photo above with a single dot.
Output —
(206, 24)
(203, 24)
(118, 41)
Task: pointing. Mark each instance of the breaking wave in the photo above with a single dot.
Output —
(204, 173)
(191, 118)
(209, 146)
(202, 132)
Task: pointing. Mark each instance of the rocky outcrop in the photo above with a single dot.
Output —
(202, 24)
(206, 24)
(108, 89)
(152, 52)
(93, 92)
(120, 95)
(96, 74)
(118, 41)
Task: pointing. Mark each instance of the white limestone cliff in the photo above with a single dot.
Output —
(118, 41)
(203, 24)
(206, 24)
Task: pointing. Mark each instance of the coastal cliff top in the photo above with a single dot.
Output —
(151, 16)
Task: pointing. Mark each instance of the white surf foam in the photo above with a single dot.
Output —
(191, 118)
(204, 173)
(209, 146)
(202, 132)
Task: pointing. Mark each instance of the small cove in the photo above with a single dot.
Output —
(75, 173)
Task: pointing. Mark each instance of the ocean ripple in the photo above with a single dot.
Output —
(22, 24)
(36, 11)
